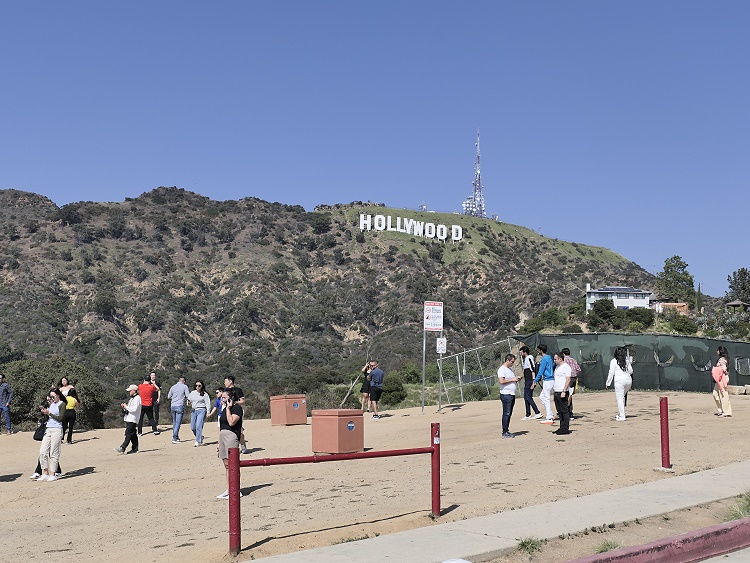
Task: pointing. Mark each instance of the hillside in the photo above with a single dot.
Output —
(176, 282)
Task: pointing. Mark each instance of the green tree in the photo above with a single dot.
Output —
(739, 286)
(393, 389)
(683, 325)
(675, 282)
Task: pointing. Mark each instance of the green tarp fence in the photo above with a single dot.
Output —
(663, 362)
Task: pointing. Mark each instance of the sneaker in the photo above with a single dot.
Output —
(175, 441)
(43, 478)
(561, 433)
(157, 432)
(140, 434)
(196, 444)
(119, 450)
(508, 435)
(52, 478)
(550, 421)
(133, 452)
(244, 450)
(224, 495)
(619, 418)
(35, 475)
(376, 417)
(527, 417)
(58, 474)
(538, 415)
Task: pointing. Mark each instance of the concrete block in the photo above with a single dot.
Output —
(736, 389)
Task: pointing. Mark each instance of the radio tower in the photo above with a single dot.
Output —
(474, 204)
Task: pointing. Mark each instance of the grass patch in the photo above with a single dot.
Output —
(607, 545)
(530, 545)
(347, 540)
(742, 508)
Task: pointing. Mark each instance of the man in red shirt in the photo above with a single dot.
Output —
(146, 391)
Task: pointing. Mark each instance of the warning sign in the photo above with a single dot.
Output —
(433, 315)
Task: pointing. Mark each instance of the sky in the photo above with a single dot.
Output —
(617, 124)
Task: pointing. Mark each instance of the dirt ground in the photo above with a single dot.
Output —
(160, 505)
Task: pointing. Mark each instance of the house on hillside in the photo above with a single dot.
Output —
(661, 305)
(622, 297)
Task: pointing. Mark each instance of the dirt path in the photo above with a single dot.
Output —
(159, 505)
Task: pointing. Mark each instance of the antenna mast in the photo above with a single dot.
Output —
(474, 204)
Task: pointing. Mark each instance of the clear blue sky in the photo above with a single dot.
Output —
(620, 124)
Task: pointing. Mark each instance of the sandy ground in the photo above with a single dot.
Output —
(159, 505)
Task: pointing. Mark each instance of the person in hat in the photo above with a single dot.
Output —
(132, 410)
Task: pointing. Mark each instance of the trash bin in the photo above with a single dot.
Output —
(338, 431)
(288, 409)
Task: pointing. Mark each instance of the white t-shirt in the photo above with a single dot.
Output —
(562, 372)
(506, 373)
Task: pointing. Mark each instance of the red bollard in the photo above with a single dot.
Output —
(435, 457)
(664, 415)
(235, 524)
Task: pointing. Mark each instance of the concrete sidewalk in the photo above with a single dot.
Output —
(483, 536)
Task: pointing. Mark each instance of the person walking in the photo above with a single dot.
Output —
(230, 423)
(200, 401)
(507, 380)
(720, 374)
(69, 418)
(620, 371)
(6, 396)
(132, 410)
(146, 393)
(49, 452)
(546, 375)
(561, 388)
(178, 394)
(529, 369)
(575, 369)
(375, 377)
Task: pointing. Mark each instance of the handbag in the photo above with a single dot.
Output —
(39, 432)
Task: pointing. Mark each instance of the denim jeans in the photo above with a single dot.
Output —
(508, 402)
(177, 413)
(197, 417)
(528, 398)
(6, 413)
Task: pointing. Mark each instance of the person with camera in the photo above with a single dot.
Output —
(39, 436)
(132, 412)
(375, 377)
(230, 424)
(49, 452)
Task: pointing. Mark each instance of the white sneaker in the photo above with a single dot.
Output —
(42, 478)
(223, 496)
(58, 475)
(196, 444)
(175, 441)
(619, 418)
(526, 418)
(537, 415)
(52, 478)
(35, 475)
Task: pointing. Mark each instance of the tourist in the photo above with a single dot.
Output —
(575, 369)
(230, 423)
(65, 385)
(621, 371)
(132, 411)
(720, 373)
(217, 408)
(49, 452)
(146, 393)
(561, 389)
(69, 417)
(38, 470)
(178, 394)
(507, 380)
(546, 375)
(199, 401)
(529, 369)
(6, 396)
(375, 377)
(365, 389)
(157, 398)
(240, 400)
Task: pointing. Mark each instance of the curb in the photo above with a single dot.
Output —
(690, 546)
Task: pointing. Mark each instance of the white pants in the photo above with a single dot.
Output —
(49, 451)
(622, 386)
(545, 397)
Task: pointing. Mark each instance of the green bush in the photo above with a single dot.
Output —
(572, 329)
(683, 325)
(393, 389)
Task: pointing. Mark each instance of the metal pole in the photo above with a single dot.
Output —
(664, 416)
(235, 526)
(424, 354)
(435, 458)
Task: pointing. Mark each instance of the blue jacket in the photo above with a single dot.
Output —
(376, 378)
(546, 370)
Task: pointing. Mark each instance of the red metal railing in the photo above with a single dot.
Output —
(235, 464)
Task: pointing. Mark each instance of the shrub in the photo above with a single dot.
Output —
(572, 329)
(393, 389)
(683, 325)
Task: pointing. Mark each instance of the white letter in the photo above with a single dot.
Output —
(429, 230)
(379, 223)
(365, 221)
(457, 232)
(442, 232)
(418, 228)
(390, 228)
(408, 225)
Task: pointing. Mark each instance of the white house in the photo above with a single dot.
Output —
(622, 297)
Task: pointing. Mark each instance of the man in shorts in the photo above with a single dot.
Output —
(375, 377)
(229, 384)
(230, 424)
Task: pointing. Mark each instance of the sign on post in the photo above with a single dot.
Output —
(442, 345)
(433, 316)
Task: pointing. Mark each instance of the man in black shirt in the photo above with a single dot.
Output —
(229, 384)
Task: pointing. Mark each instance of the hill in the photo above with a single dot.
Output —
(283, 298)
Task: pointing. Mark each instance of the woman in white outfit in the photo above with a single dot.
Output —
(49, 452)
(620, 371)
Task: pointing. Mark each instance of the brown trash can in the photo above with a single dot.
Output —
(338, 431)
(288, 409)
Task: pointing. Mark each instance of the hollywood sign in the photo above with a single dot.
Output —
(409, 227)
